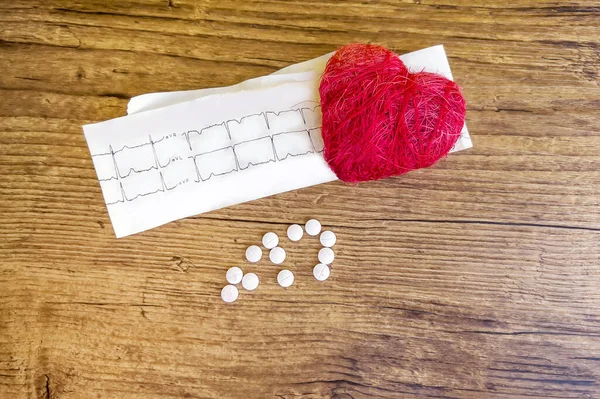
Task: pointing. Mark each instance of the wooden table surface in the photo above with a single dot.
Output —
(478, 278)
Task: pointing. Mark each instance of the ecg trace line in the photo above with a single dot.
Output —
(157, 165)
(199, 177)
(260, 138)
(132, 170)
(224, 124)
(212, 174)
(239, 121)
(308, 131)
(275, 158)
(124, 197)
(237, 162)
(126, 147)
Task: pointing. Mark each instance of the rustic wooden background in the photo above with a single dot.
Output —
(479, 278)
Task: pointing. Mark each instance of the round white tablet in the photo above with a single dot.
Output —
(250, 281)
(229, 293)
(326, 256)
(321, 272)
(277, 255)
(270, 240)
(327, 238)
(294, 232)
(234, 275)
(285, 278)
(313, 227)
(253, 253)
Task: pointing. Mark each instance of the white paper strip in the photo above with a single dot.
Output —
(431, 59)
(201, 150)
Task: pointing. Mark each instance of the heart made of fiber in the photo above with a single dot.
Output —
(381, 120)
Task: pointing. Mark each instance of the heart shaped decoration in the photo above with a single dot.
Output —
(381, 120)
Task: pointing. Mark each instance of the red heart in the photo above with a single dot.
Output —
(380, 120)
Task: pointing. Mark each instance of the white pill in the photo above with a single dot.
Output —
(313, 227)
(234, 275)
(285, 278)
(253, 253)
(294, 232)
(321, 272)
(229, 293)
(326, 256)
(270, 240)
(250, 281)
(277, 255)
(327, 239)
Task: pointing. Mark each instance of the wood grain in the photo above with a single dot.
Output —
(478, 278)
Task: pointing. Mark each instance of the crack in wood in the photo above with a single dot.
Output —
(48, 390)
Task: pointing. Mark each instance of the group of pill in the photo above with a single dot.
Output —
(277, 255)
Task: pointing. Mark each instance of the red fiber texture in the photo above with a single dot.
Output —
(380, 120)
